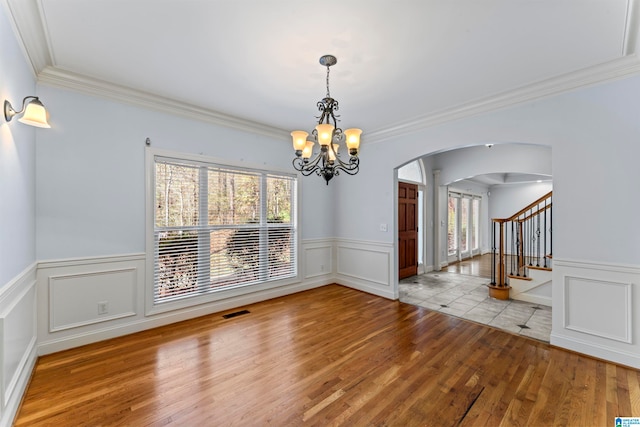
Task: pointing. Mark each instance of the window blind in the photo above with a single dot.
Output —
(217, 227)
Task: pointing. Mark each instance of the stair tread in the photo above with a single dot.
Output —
(513, 276)
(534, 267)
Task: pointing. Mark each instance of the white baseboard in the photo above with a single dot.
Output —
(535, 299)
(140, 324)
(366, 287)
(596, 350)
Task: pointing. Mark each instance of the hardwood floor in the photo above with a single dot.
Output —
(479, 265)
(329, 356)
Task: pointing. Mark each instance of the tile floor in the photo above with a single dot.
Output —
(467, 297)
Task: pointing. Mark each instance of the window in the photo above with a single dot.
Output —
(411, 172)
(420, 226)
(475, 225)
(217, 227)
(464, 224)
(452, 225)
(463, 229)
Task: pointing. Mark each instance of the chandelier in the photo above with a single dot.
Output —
(328, 135)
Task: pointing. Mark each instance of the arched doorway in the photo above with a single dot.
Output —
(462, 186)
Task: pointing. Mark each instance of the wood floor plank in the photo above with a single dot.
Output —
(633, 379)
(331, 356)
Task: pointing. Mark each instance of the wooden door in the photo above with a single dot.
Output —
(407, 229)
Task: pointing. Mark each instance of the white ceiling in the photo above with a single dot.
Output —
(509, 178)
(400, 62)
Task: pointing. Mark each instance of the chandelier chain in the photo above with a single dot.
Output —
(328, 95)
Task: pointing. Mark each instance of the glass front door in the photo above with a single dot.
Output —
(463, 240)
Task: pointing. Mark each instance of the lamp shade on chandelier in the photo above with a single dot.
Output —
(329, 136)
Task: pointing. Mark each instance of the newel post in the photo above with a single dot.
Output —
(500, 290)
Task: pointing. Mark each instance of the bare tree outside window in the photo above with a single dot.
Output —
(218, 227)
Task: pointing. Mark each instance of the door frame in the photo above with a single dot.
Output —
(423, 188)
(409, 236)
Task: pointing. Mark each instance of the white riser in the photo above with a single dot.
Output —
(537, 290)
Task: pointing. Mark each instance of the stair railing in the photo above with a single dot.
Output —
(524, 241)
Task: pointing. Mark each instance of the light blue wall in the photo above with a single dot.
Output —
(593, 133)
(91, 173)
(506, 200)
(17, 161)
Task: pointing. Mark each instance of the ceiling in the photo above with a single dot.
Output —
(491, 179)
(402, 64)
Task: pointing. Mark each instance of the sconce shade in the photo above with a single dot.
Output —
(35, 115)
(34, 112)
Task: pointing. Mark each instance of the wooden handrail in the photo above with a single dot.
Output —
(498, 287)
(538, 212)
(523, 210)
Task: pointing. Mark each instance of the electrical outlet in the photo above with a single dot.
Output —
(103, 307)
(383, 227)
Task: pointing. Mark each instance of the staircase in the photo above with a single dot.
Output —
(521, 248)
(536, 288)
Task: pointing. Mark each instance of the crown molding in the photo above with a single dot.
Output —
(60, 78)
(30, 30)
(616, 69)
(632, 22)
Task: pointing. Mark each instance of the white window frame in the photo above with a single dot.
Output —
(458, 255)
(151, 307)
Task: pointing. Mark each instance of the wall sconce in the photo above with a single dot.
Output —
(34, 112)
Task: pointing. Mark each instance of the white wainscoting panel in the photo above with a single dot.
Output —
(367, 266)
(17, 341)
(74, 299)
(598, 308)
(594, 306)
(318, 258)
(69, 292)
